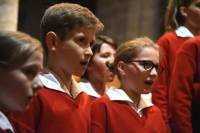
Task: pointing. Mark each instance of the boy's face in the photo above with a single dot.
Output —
(74, 52)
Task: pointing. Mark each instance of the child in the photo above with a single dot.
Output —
(183, 17)
(129, 109)
(68, 32)
(98, 74)
(20, 60)
(185, 88)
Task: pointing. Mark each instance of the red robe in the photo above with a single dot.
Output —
(170, 44)
(119, 117)
(56, 112)
(185, 88)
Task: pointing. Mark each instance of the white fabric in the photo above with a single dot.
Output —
(115, 94)
(4, 123)
(50, 81)
(88, 89)
(182, 31)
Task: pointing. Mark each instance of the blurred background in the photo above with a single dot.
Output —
(123, 19)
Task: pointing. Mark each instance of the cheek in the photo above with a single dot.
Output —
(194, 16)
(101, 66)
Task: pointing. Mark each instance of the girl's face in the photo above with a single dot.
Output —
(192, 15)
(17, 86)
(97, 68)
(140, 73)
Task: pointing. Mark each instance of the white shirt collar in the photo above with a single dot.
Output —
(50, 81)
(115, 94)
(4, 123)
(88, 89)
(182, 31)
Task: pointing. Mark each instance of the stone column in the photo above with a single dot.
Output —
(8, 14)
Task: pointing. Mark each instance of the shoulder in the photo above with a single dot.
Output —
(167, 36)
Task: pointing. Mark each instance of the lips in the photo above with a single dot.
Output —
(149, 82)
(84, 62)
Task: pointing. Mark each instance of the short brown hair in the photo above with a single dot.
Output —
(100, 40)
(16, 48)
(64, 17)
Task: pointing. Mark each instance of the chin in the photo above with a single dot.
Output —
(146, 91)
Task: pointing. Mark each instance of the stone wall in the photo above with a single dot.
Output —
(8, 14)
(127, 19)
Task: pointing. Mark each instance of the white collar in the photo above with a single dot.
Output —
(88, 89)
(115, 94)
(50, 81)
(4, 123)
(182, 31)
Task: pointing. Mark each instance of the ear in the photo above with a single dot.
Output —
(183, 11)
(51, 40)
(121, 66)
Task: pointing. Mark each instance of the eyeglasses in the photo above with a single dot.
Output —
(146, 64)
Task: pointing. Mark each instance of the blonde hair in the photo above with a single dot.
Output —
(130, 49)
(16, 48)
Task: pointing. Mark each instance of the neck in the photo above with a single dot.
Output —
(133, 96)
(194, 31)
(63, 77)
(99, 87)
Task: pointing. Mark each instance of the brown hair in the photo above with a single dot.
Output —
(64, 17)
(101, 39)
(16, 48)
(173, 17)
(130, 49)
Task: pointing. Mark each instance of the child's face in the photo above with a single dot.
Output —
(74, 52)
(97, 68)
(18, 85)
(193, 15)
(141, 72)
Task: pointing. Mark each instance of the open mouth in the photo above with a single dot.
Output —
(149, 82)
(84, 62)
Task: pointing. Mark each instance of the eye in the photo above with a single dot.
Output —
(105, 55)
(82, 40)
(147, 65)
(30, 71)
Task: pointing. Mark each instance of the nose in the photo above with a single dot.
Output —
(88, 52)
(36, 84)
(153, 72)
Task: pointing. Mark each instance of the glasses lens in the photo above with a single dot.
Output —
(147, 65)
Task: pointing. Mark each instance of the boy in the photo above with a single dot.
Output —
(67, 32)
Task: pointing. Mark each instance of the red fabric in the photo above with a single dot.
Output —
(55, 112)
(2, 131)
(169, 44)
(118, 117)
(185, 88)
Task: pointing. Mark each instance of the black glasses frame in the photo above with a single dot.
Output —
(146, 64)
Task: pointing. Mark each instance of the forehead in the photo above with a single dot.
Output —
(106, 48)
(36, 58)
(149, 53)
(83, 31)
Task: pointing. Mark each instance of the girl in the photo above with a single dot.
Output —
(129, 109)
(20, 61)
(98, 74)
